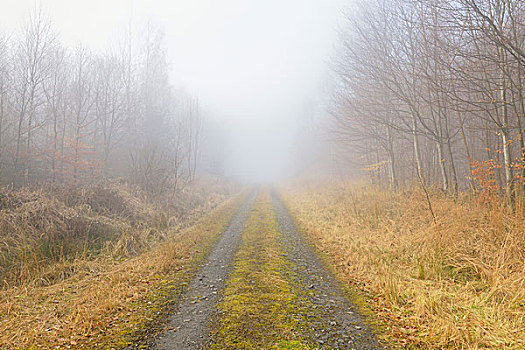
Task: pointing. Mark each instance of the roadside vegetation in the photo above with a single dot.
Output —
(453, 282)
(428, 106)
(99, 267)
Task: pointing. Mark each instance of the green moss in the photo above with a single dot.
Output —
(259, 308)
(266, 304)
(291, 345)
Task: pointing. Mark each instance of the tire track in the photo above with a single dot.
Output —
(334, 322)
(187, 328)
(279, 294)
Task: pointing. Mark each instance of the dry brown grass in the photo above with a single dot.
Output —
(457, 283)
(40, 228)
(92, 266)
(106, 302)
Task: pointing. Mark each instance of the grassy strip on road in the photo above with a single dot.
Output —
(457, 283)
(259, 308)
(114, 303)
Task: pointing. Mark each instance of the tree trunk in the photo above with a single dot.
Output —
(471, 182)
(392, 160)
(417, 153)
(442, 169)
(505, 137)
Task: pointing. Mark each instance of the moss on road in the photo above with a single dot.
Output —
(279, 294)
(258, 310)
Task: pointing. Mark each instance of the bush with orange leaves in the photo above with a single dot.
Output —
(484, 174)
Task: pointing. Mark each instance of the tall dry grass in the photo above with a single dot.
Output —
(457, 283)
(44, 227)
(111, 300)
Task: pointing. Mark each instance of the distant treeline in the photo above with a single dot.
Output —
(433, 91)
(68, 115)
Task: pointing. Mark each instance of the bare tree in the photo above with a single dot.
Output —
(31, 69)
(69, 115)
(443, 76)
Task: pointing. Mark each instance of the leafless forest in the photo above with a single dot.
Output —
(68, 115)
(432, 92)
(240, 175)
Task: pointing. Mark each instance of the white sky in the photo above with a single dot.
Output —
(252, 63)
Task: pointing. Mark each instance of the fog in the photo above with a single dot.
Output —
(252, 64)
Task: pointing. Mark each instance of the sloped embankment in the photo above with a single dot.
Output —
(44, 231)
(101, 297)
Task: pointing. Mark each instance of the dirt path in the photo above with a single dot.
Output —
(264, 288)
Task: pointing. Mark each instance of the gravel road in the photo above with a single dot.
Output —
(330, 320)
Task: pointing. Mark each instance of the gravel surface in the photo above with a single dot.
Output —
(330, 320)
(187, 328)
